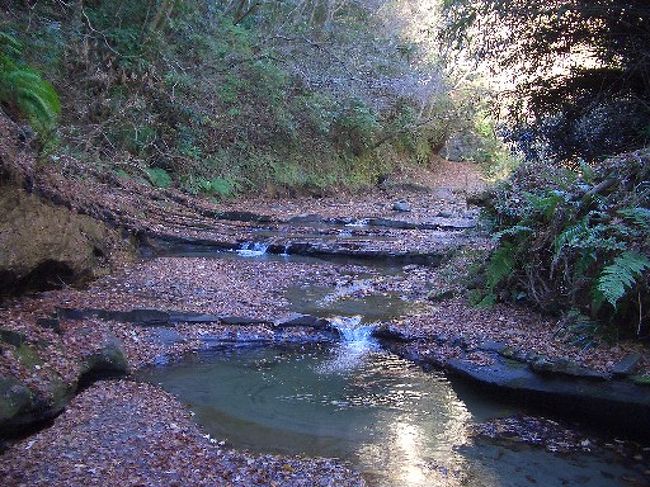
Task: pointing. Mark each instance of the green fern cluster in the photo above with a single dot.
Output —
(578, 242)
(24, 90)
(621, 276)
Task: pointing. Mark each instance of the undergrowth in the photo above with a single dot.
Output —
(24, 93)
(218, 100)
(575, 242)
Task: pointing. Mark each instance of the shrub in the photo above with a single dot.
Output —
(22, 89)
(273, 99)
(576, 240)
(220, 187)
(158, 177)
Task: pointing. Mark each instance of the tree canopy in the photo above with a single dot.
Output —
(580, 70)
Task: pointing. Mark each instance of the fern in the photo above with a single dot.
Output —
(544, 205)
(617, 278)
(23, 88)
(512, 232)
(500, 266)
(9, 46)
(570, 235)
(639, 216)
(587, 172)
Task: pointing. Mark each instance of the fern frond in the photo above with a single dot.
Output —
(570, 235)
(36, 98)
(545, 205)
(639, 216)
(512, 232)
(501, 265)
(9, 45)
(617, 278)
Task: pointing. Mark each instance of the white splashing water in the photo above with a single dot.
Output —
(351, 329)
(358, 223)
(356, 342)
(252, 249)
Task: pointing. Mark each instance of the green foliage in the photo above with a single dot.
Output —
(23, 89)
(501, 264)
(277, 101)
(356, 127)
(543, 205)
(565, 244)
(158, 177)
(638, 216)
(495, 157)
(220, 187)
(642, 380)
(621, 275)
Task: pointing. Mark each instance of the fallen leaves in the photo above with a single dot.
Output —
(127, 433)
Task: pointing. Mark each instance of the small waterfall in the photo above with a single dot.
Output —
(358, 223)
(351, 329)
(356, 342)
(252, 249)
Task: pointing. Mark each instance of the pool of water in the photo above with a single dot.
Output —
(348, 300)
(397, 424)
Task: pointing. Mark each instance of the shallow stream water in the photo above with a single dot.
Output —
(397, 424)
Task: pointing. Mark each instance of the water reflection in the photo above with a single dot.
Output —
(398, 425)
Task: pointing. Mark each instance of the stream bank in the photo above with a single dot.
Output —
(208, 280)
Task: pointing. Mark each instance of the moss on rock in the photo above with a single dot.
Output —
(14, 399)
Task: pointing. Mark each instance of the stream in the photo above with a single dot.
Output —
(394, 422)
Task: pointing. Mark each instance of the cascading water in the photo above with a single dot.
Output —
(353, 332)
(356, 343)
(358, 223)
(253, 249)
